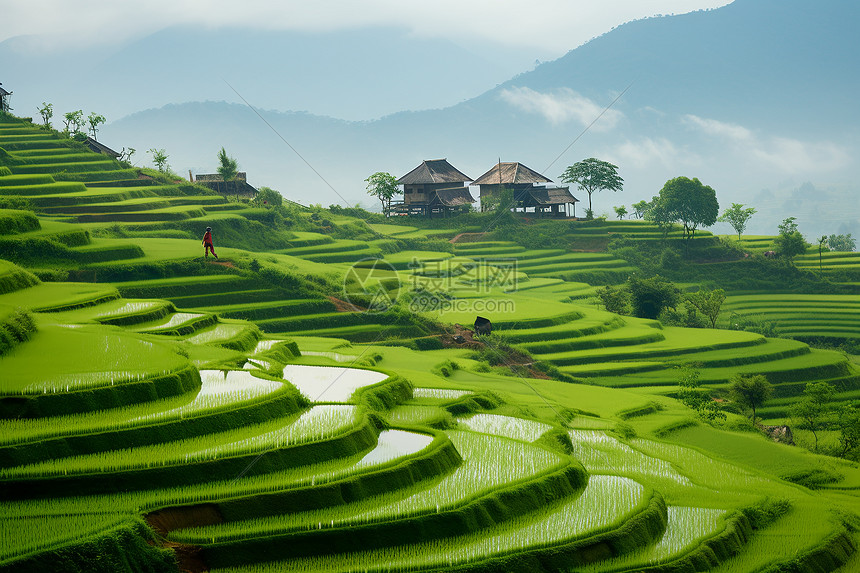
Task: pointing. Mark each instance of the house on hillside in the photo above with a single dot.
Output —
(94, 145)
(530, 189)
(434, 188)
(239, 187)
(4, 99)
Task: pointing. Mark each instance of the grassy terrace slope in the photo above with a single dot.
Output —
(218, 409)
(268, 472)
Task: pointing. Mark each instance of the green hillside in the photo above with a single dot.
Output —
(305, 401)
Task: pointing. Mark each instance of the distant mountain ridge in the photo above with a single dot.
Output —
(757, 95)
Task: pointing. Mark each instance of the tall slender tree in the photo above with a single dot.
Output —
(737, 216)
(383, 186)
(593, 175)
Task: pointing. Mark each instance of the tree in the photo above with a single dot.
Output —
(47, 112)
(708, 303)
(620, 211)
(614, 299)
(821, 241)
(848, 424)
(95, 120)
(750, 391)
(73, 121)
(658, 214)
(814, 407)
(788, 226)
(789, 243)
(841, 242)
(267, 196)
(649, 297)
(383, 186)
(640, 208)
(593, 175)
(737, 216)
(125, 154)
(159, 158)
(690, 202)
(692, 396)
(228, 167)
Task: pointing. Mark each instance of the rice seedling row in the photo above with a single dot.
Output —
(316, 424)
(606, 502)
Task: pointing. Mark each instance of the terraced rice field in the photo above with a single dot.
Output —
(215, 408)
(799, 315)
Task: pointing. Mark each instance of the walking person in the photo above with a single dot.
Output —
(207, 243)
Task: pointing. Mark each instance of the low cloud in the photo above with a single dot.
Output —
(788, 155)
(554, 26)
(718, 128)
(561, 106)
(649, 152)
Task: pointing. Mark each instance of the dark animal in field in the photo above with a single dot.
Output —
(483, 325)
(770, 254)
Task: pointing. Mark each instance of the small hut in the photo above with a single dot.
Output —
(529, 189)
(4, 100)
(238, 187)
(94, 145)
(549, 202)
(434, 188)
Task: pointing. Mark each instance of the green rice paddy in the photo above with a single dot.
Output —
(250, 416)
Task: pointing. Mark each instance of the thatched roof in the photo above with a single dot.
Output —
(454, 197)
(552, 195)
(216, 177)
(100, 148)
(434, 171)
(510, 174)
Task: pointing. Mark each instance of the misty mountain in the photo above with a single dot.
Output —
(755, 99)
(352, 74)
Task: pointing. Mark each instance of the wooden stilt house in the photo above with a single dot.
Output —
(530, 192)
(434, 188)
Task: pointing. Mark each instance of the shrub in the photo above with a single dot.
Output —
(650, 296)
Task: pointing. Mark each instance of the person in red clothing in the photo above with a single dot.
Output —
(207, 242)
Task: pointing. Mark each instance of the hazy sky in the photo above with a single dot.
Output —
(551, 27)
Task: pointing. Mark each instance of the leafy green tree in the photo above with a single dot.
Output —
(159, 158)
(737, 216)
(640, 208)
(696, 398)
(649, 297)
(228, 167)
(73, 121)
(659, 214)
(789, 243)
(750, 391)
(620, 211)
(788, 226)
(593, 175)
(814, 408)
(691, 203)
(841, 242)
(125, 154)
(383, 186)
(614, 299)
(708, 302)
(848, 424)
(268, 196)
(47, 112)
(95, 120)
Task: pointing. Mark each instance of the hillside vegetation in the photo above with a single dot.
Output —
(306, 402)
